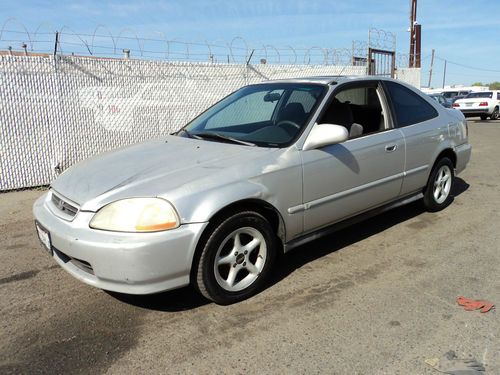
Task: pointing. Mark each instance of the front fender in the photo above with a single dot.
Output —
(202, 206)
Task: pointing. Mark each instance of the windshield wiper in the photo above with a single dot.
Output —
(189, 134)
(223, 137)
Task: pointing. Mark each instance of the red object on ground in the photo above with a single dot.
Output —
(471, 304)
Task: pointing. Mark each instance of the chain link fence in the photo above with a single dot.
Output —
(56, 111)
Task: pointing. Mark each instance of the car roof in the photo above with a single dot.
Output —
(326, 80)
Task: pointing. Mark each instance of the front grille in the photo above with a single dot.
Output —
(65, 207)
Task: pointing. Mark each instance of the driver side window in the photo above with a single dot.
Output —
(358, 109)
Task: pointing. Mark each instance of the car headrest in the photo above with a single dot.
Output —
(293, 112)
(339, 114)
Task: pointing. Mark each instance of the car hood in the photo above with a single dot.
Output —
(151, 169)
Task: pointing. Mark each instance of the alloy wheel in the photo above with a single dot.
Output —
(240, 259)
(442, 184)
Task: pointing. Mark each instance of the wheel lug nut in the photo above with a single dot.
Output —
(244, 264)
(234, 265)
(246, 252)
(236, 253)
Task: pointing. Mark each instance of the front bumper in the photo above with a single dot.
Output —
(133, 263)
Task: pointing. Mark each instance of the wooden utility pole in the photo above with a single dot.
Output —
(444, 73)
(430, 70)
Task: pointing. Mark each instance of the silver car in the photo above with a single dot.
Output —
(266, 169)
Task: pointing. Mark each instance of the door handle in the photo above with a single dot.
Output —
(391, 148)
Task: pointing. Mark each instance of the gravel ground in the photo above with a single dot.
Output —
(375, 298)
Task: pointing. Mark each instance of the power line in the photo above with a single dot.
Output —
(468, 66)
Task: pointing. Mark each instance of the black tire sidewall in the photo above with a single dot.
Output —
(429, 200)
(210, 287)
(494, 115)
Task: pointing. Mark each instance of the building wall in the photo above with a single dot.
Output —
(409, 75)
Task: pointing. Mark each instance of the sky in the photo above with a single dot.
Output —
(464, 32)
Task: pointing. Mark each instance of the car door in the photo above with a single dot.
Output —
(423, 130)
(363, 172)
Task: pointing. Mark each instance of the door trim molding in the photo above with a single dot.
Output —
(342, 194)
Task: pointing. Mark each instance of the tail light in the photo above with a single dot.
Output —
(483, 104)
(456, 105)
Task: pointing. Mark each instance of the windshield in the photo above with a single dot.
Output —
(450, 94)
(487, 94)
(268, 115)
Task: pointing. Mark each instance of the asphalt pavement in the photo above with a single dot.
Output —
(375, 298)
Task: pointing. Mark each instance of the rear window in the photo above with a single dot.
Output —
(486, 94)
(409, 107)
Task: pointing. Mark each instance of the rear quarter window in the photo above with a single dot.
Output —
(409, 107)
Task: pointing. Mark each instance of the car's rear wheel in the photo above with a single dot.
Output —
(437, 194)
(236, 258)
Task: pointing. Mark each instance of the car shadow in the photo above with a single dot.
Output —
(345, 237)
(342, 238)
(459, 186)
(187, 298)
(172, 301)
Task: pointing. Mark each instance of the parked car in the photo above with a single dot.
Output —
(451, 94)
(456, 98)
(441, 100)
(482, 104)
(270, 167)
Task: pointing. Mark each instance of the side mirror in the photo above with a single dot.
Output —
(324, 135)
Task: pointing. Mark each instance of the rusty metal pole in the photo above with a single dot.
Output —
(370, 66)
(418, 45)
(413, 19)
(393, 65)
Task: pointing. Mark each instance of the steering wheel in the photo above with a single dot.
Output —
(289, 126)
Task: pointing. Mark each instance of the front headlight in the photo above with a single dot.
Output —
(136, 215)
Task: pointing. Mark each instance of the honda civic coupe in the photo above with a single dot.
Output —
(268, 168)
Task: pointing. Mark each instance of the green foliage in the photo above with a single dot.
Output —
(494, 85)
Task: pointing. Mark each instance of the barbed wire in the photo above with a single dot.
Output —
(102, 42)
(381, 39)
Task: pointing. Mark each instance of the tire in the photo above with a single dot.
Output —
(236, 259)
(494, 115)
(437, 194)
(483, 117)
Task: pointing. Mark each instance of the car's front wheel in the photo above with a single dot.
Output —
(236, 258)
(437, 194)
